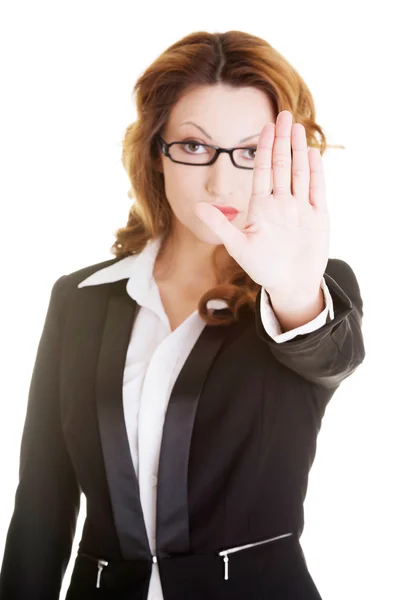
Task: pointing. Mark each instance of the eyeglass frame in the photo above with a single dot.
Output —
(165, 150)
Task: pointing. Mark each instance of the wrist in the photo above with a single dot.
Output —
(294, 309)
(296, 297)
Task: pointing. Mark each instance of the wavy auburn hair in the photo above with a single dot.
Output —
(233, 58)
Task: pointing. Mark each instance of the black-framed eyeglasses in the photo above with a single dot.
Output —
(177, 152)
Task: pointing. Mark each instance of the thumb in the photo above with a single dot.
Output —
(229, 235)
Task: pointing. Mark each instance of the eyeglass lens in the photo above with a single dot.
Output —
(199, 154)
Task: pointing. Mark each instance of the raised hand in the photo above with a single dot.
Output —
(285, 244)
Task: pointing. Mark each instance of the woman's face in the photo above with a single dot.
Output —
(227, 115)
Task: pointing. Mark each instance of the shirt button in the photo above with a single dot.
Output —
(154, 480)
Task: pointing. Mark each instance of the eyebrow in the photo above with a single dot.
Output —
(249, 137)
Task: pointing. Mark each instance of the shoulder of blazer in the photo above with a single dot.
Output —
(66, 285)
(77, 276)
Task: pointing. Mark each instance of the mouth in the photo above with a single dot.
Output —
(229, 211)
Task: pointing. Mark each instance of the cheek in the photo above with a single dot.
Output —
(184, 189)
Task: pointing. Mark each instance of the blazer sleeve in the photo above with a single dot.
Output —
(47, 500)
(273, 327)
(331, 353)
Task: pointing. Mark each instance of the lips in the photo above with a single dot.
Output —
(228, 211)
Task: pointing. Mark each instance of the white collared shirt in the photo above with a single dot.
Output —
(154, 359)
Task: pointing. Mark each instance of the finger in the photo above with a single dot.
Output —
(281, 154)
(300, 165)
(317, 180)
(261, 185)
(230, 236)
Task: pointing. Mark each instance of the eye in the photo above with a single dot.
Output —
(252, 151)
(192, 144)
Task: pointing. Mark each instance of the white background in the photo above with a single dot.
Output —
(67, 71)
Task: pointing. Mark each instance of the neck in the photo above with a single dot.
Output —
(185, 263)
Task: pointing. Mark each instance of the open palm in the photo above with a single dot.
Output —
(285, 244)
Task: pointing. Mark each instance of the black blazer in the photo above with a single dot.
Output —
(238, 442)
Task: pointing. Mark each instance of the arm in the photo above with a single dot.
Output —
(273, 327)
(293, 312)
(47, 499)
(331, 353)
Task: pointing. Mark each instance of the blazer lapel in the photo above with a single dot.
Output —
(172, 531)
(172, 534)
(121, 476)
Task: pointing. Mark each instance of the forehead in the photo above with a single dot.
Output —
(221, 109)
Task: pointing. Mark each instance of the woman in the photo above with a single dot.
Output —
(181, 385)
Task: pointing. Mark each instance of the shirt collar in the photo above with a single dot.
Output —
(138, 270)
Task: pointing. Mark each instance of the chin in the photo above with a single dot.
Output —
(204, 234)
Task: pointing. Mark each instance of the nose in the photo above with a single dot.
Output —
(220, 176)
